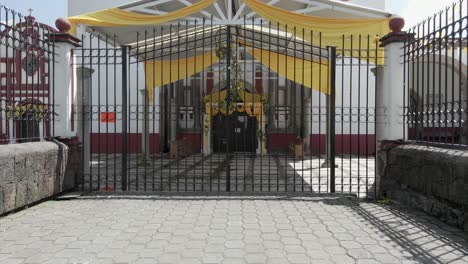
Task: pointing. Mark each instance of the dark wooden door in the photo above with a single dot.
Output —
(243, 136)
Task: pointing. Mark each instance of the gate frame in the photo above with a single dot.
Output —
(330, 119)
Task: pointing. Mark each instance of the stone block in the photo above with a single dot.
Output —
(21, 194)
(431, 179)
(21, 171)
(35, 162)
(54, 185)
(9, 197)
(466, 220)
(7, 169)
(461, 168)
(43, 186)
(30, 172)
(33, 188)
(51, 163)
(1, 201)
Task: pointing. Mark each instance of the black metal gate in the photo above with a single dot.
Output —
(241, 125)
(198, 107)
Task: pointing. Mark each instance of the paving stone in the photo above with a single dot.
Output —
(235, 230)
(169, 258)
(298, 258)
(317, 254)
(212, 258)
(234, 253)
(255, 258)
(234, 244)
(386, 258)
(254, 248)
(335, 250)
(233, 261)
(342, 259)
(367, 261)
(359, 254)
(350, 245)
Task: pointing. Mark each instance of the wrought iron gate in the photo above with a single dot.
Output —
(198, 107)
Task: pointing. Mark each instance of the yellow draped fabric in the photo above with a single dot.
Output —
(216, 97)
(309, 73)
(252, 109)
(115, 17)
(162, 72)
(244, 96)
(331, 29)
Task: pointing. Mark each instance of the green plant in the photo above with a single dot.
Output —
(142, 161)
(261, 135)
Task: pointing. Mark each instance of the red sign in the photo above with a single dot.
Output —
(108, 117)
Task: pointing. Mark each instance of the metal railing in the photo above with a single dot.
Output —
(187, 138)
(27, 58)
(436, 78)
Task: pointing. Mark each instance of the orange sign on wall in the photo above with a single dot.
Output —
(108, 117)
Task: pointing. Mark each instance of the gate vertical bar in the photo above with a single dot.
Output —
(228, 105)
(124, 117)
(331, 116)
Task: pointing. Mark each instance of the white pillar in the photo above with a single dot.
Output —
(11, 127)
(389, 94)
(64, 98)
(41, 130)
(83, 106)
(390, 91)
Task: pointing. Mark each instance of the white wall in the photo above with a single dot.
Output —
(350, 96)
(451, 89)
(107, 90)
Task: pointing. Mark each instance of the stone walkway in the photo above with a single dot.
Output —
(248, 173)
(225, 229)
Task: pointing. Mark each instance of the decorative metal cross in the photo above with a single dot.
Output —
(30, 11)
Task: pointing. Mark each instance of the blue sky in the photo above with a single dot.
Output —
(47, 11)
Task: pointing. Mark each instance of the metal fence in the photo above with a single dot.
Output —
(436, 78)
(26, 78)
(234, 123)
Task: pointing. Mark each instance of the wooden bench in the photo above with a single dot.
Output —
(181, 148)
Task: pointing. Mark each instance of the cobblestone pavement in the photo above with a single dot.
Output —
(226, 229)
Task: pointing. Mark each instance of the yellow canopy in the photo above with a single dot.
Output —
(216, 97)
(305, 72)
(332, 29)
(309, 73)
(114, 17)
(162, 72)
(246, 97)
